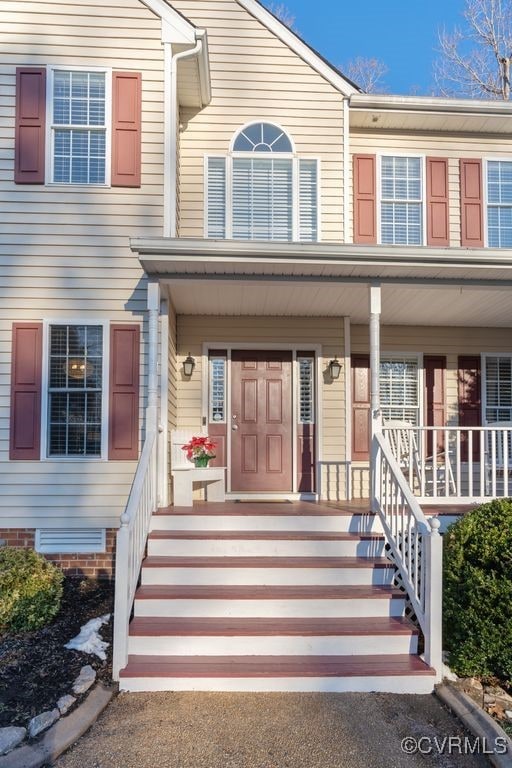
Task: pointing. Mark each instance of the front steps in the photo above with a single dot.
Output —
(270, 597)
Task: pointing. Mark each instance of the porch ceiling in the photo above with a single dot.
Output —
(420, 286)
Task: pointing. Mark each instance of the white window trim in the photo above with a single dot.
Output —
(483, 366)
(418, 358)
(50, 133)
(378, 182)
(485, 173)
(293, 156)
(105, 324)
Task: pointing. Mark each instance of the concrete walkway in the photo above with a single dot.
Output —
(220, 730)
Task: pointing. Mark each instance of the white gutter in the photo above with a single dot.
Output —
(368, 101)
(171, 142)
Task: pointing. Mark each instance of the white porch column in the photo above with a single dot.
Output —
(375, 311)
(163, 414)
(153, 311)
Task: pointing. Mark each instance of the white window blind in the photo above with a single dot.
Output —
(217, 389)
(306, 390)
(262, 199)
(399, 390)
(498, 389)
(401, 201)
(308, 201)
(499, 203)
(216, 198)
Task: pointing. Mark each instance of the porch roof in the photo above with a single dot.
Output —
(421, 285)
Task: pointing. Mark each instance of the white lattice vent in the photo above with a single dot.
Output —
(70, 540)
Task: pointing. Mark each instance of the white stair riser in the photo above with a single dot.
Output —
(265, 548)
(419, 684)
(295, 608)
(283, 576)
(272, 646)
(288, 523)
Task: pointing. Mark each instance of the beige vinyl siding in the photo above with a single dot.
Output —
(193, 331)
(433, 145)
(256, 77)
(64, 250)
(448, 341)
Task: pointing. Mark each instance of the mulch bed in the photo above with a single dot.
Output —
(36, 669)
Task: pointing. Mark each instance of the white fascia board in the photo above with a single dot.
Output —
(293, 42)
(175, 27)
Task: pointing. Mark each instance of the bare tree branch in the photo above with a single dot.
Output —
(367, 73)
(475, 58)
(283, 13)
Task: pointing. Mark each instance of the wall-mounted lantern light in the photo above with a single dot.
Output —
(335, 368)
(188, 366)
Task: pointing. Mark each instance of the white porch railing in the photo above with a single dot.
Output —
(131, 544)
(415, 543)
(454, 464)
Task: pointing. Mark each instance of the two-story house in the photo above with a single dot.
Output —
(207, 229)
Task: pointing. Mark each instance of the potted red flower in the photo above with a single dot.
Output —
(200, 450)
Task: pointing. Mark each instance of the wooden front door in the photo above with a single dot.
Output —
(261, 421)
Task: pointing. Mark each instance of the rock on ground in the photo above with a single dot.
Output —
(84, 680)
(43, 721)
(64, 703)
(10, 737)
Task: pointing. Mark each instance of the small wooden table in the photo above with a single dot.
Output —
(184, 479)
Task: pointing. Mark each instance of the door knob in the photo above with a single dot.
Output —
(234, 427)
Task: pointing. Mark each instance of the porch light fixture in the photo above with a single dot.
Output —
(335, 368)
(188, 366)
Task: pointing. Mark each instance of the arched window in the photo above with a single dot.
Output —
(262, 190)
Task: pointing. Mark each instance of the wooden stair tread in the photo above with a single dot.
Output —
(249, 561)
(293, 509)
(267, 592)
(265, 535)
(274, 666)
(265, 627)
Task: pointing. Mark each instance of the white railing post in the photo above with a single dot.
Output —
(121, 607)
(433, 575)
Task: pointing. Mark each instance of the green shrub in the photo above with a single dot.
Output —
(477, 612)
(30, 590)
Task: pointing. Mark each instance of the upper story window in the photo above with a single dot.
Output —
(401, 204)
(78, 127)
(499, 203)
(261, 190)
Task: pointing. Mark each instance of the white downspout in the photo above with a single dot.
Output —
(171, 119)
(347, 232)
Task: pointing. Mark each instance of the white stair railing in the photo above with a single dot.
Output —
(131, 544)
(415, 543)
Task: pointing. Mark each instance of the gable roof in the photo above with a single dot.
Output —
(300, 47)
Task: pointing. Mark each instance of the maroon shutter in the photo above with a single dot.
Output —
(365, 194)
(471, 204)
(30, 125)
(360, 407)
(126, 129)
(25, 432)
(438, 232)
(123, 427)
(435, 399)
(470, 398)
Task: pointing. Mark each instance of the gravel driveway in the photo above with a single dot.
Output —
(226, 730)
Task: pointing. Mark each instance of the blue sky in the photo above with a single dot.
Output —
(403, 33)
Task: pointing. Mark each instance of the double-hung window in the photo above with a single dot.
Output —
(499, 203)
(75, 390)
(78, 124)
(498, 389)
(261, 190)
(399, 389)
(401, 200)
